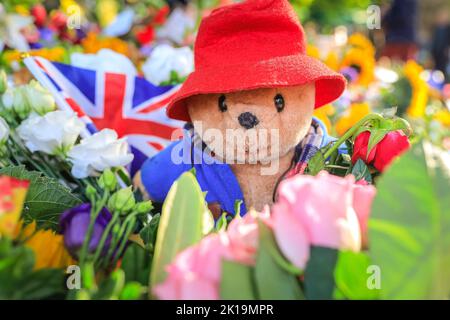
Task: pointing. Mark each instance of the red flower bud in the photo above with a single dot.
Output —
(39, 14)
(382, 154)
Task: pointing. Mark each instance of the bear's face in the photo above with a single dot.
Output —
(253, 126)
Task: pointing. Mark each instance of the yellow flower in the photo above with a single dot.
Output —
(48, 248)
(354, 113)
(70, 7)
(419, 87)
(52, 54)
(106, 11)
(332, 61)
(312, 51)
(362, 60)
(443, 116)
(12, 198)
(360, 41)
(323, 115)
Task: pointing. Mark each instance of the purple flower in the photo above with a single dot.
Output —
(74, 224)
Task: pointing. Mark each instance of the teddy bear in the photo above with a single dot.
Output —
(248, 107)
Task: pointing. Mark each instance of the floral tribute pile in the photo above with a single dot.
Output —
(369, 219)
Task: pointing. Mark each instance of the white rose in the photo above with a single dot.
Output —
(4, 131)
(54, 133)
(164, 59)
(39, 99)
(99, 152)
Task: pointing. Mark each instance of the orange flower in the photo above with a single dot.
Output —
(366, 63)
(92, 43)
(419, 97)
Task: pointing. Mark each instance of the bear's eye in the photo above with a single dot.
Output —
(279, 102)
(222, 104)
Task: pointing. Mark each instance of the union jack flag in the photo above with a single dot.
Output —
(130, 105)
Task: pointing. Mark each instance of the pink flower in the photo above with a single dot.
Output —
(325, 210)
(244, 236)
(195, 273)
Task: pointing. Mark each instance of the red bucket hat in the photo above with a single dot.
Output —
(251, 45)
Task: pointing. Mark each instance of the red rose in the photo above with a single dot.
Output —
(382, 154)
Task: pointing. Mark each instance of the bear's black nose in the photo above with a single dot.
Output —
(248, 120)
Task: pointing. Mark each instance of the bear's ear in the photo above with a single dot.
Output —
(137, 182)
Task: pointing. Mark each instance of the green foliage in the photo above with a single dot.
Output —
(136, 264)
(46, 198)
(237, 282)
(18, 280)
(149, 232)
(361, 171)
(409, 229)
(272, 280)
(181, 224)
(319, 273)
(351, 275)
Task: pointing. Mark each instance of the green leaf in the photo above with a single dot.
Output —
(46, 197)
(181, 224)
(351, 275)
(18, 280)
(111, 287)
(237, 282)
(319, 273)
(409, 229)
(149, 232)
(272, 281)
(136, 264)
(361, 171)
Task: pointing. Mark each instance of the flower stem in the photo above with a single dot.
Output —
(351, 132)
(95, 211)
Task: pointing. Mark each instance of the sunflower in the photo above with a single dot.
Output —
(360, 41)
(363, 61)
(353, 114)
(419, 98)
(48, 248)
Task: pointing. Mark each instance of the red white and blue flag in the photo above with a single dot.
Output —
(132, 106)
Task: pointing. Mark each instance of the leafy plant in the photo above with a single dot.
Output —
(409, 229)
(46, 198)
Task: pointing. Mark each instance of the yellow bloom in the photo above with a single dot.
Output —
(48, 248)
(106, 11)
(70, 7)
(332, 61)
(354, 113)
(443, 116)
(365, 61)
(360, 41)
(312, 51)
(12, 198)
(52, 54)
(323, 115)
(419, 87)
